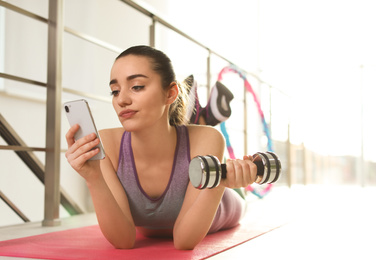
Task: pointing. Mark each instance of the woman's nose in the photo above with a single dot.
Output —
(124, 99)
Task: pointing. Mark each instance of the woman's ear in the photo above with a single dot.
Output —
(172, 93)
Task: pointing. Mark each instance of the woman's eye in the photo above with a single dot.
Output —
(137, 88)
(115, 93)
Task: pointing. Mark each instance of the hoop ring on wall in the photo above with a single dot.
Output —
(261, 192)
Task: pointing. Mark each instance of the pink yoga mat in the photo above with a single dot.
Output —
(89, 243)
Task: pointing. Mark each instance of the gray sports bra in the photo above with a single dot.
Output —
(155, 213)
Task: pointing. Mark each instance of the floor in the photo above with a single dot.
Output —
(323, 222)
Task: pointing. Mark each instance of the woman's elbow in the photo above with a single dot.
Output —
(122, 242)
(184, 245)
(124, 245)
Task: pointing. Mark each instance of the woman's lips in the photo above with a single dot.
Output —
(127, 113)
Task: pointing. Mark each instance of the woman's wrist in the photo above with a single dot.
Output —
(94, 180)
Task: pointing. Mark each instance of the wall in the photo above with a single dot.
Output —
(85, 68)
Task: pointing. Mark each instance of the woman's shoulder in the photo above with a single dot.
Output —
(200, 131)
(205, 140)
(111, 138)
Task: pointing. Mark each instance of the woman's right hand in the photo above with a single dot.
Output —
(80, 151)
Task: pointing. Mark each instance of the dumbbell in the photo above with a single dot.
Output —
(207, 171)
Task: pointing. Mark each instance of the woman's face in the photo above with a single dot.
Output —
(138, 97)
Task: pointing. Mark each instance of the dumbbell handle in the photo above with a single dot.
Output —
(224, 170)
(207, 171)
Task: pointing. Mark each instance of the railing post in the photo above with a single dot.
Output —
(361, 170)
(306, 179)
(53, 113)
(289, 172)
(245, 121)
(208, 73)
(152, 33)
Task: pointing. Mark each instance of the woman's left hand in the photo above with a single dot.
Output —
(240, 173)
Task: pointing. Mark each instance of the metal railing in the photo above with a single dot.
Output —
(54, 87)
(25, 153)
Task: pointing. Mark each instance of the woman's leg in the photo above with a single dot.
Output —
(230, 211)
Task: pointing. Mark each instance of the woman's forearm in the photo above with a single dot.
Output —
(118, 229)
(196, 222)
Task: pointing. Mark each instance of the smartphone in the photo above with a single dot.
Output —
(78, 112)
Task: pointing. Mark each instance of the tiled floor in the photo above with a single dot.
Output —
(324, 222)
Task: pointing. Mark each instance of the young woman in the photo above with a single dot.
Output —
(143, 182)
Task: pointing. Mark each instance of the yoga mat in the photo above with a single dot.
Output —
(89, 243)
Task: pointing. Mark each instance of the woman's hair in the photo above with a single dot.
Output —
(161, 64)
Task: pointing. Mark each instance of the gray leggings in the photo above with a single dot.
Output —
(230, 211)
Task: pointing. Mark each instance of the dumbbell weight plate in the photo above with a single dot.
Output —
(275, 167)
(204, 172)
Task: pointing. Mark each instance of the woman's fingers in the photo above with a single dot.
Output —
(86, 143)
(69, 136)
(240, 173)
(79, 162)
(230, 180)
(81, 150)
(71, 140)
(82, 145)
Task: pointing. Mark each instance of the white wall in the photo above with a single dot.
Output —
(86, 68)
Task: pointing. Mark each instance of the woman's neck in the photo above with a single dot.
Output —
(154, 143)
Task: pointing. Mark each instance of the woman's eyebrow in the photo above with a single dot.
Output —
(129, 78)
(136, 76)
(114, 81)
